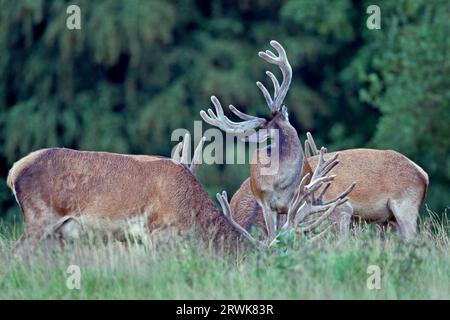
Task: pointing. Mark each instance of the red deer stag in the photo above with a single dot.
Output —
(104, 188)
(274, 190)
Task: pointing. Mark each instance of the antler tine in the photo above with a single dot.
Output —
(240, 114)
(305, 227)
(330, 164)
(300, 195)
(317, 171)
(226, 210)
(322, 233)
(311, 211)
(177, 152)
(276, 84)
(221, 121)
(342, 195)
(265, 92)
(186, 148)
(266, 95)
(315, 184)
(307, 149)
(283, 63)
(322, 193)
(196, 159)
(312, 144)
(324, 166)
(297, 202)
(181, 153)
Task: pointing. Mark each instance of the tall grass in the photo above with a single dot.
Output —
(332, 268)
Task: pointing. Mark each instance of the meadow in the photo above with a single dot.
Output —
(186, 268)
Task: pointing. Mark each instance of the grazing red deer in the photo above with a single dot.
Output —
(107, 188)
(70, 226)
(275, 189)
(390, 188)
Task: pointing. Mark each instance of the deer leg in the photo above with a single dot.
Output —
(270, 221)
(345, 218)
(281, 220)
(29, 237)
(22, 242)
(27, 242)
(38, 219)
(405, 214)
(344, 223)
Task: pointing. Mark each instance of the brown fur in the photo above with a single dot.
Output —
(379, 175)
(53, 183)
(277, 190)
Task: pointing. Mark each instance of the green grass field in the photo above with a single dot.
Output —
(332, 268)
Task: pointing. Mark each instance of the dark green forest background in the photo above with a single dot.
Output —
(137, 70)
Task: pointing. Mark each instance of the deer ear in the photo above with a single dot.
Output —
(257, 137)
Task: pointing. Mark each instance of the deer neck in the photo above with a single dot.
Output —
(209, 218)
(289, 146)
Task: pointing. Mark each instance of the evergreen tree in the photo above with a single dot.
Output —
(137, 70)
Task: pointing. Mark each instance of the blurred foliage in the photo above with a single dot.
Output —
(137, 70)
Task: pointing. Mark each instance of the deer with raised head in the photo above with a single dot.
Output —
(273, 190)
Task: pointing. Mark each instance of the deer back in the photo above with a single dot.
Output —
(380, 175)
